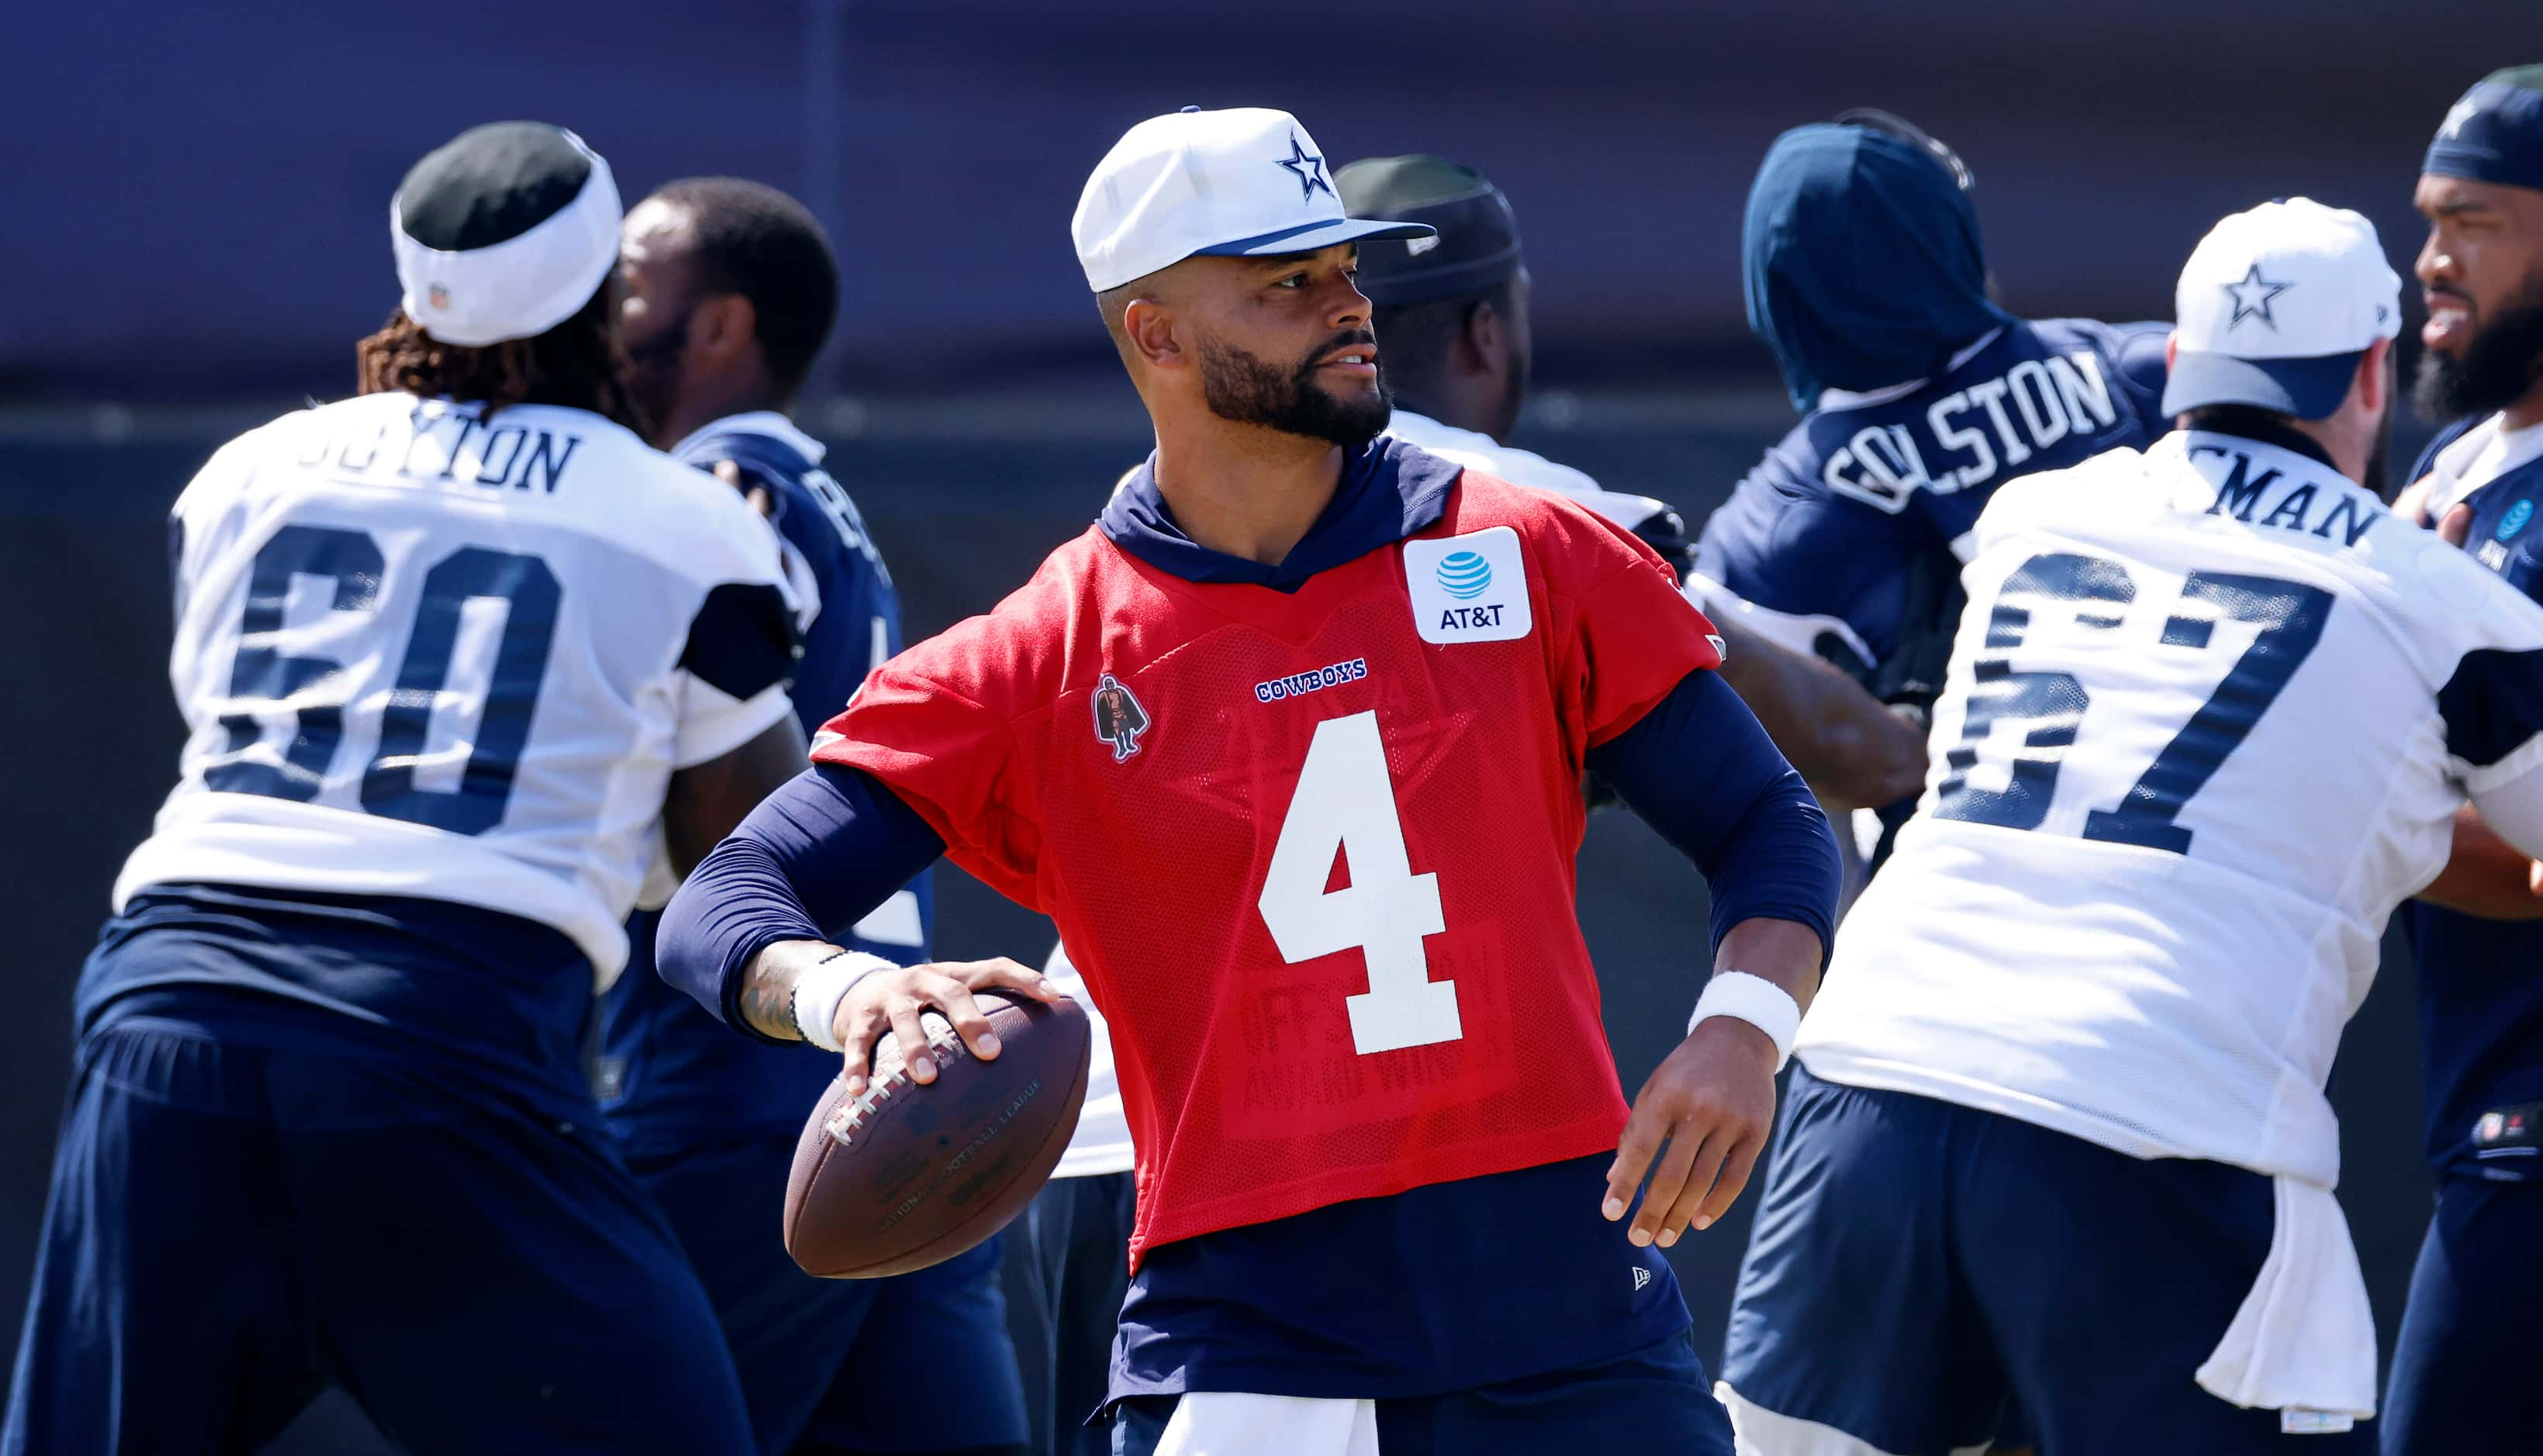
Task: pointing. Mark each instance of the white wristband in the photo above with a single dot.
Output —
(1755, 1000)
(818, 992)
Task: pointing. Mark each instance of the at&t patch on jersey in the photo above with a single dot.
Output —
(1469, 588)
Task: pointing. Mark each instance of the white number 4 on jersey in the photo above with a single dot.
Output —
(1346, 803)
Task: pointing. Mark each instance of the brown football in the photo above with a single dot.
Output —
(910, 1174)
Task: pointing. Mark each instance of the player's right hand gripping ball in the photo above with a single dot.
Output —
(910, 1175)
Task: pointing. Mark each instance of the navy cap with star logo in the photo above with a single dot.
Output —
(1246, 182)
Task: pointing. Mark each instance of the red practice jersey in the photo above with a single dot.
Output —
(1313, 850)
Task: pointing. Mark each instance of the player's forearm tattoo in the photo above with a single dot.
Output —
(767, 1000)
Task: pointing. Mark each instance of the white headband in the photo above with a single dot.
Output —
(522, 286)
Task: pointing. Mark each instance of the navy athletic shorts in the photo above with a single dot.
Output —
(2459, 1365)
(239, 1219)
(1919, 1269)
(918, 1362)
(1068, 1265)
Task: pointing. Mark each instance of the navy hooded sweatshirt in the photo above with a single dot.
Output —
(1920, 395)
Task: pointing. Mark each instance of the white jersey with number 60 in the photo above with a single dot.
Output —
(2208, 719)
(422, 652)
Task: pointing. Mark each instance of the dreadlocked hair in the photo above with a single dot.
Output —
(579, 364)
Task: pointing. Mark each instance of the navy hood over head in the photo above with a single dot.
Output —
(1861, 261)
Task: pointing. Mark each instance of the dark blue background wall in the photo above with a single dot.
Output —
(197, 194)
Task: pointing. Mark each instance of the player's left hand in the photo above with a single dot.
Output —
(755, 497)
(1713, 1101)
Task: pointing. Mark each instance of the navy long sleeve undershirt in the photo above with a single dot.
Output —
(833, 843)
(1700, 770)
(810, 861)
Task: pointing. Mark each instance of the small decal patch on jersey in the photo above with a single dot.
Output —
(1119, 719)
(1469, 588)
(2515, 519)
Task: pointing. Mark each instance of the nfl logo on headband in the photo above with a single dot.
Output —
(504, 233)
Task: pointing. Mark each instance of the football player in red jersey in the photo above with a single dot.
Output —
(1290, 744)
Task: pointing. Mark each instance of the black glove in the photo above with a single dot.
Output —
(1910, 678)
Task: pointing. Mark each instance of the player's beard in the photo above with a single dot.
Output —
(2497, 364)
(654, 374)
(1250, 390)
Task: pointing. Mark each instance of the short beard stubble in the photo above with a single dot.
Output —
(1250, 390)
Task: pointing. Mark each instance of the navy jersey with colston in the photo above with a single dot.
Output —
(1816, 545)
(667, 1074)
(2481, 1004)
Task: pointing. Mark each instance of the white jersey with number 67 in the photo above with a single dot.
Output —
(2209, 716)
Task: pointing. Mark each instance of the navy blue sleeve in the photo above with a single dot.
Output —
(2139, 353)
(808, 863)
(839, 646)
(742, 643)
(2493, 705)
(1699, 769)
(1785, 543)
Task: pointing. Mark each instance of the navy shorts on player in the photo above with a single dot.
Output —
(918, 1362)
(2463, 1363)
(1067, 1267)
(1649, 1400)
(240, 1219)
(1918, 1268)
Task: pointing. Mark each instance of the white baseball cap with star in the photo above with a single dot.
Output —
(2276, 305)
(1243, 182)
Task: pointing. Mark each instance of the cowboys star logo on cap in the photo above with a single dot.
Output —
(1310, 171)
(2314, 276)
(1195, 184)
(1119, 719)
(2252, 294)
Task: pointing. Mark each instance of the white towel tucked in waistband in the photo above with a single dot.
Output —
(2304, 1339)
(1231, 1423)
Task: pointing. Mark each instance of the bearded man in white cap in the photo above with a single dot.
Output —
(2058, 1137)
(456, 656)
(1289, 743)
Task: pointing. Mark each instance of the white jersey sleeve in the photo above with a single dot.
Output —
(424, 652)
(1481, 452)
(2208, 715)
